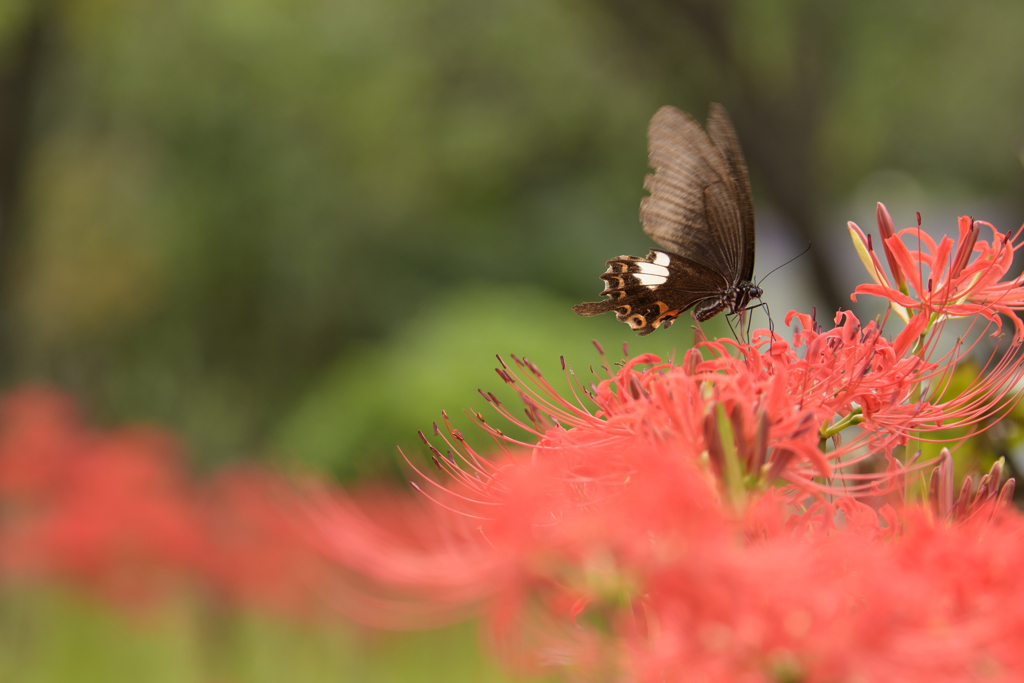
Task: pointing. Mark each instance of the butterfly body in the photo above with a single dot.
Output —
(700, 211)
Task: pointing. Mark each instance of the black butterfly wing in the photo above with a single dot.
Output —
(651, 292)
(724, 137)
(699, 205)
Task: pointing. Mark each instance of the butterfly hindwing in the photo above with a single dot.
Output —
(647, 293)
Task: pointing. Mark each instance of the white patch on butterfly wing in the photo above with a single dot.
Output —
(662, 259)
(651, 275)
(650, 280)
(652, 269)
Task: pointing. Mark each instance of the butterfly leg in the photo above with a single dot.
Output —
(728, 320)
(771, 323)
(743, 320)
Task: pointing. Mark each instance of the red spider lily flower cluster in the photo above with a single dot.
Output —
(941, 281)
(705, 519)
(114, 512)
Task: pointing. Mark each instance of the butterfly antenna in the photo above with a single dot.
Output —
(786, 263)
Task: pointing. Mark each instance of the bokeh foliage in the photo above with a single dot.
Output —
(221, 201)
(224, 199)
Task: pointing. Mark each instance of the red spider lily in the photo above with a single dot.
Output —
(948, 284)
(781, 400)
(944, 282)
(597, 553)
(988, 499)
(615, 543)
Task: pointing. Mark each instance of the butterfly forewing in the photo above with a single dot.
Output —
(724, 137)
(686, 163)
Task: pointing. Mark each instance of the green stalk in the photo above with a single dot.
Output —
(732, 471)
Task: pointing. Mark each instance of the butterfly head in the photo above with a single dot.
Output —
(745, 292)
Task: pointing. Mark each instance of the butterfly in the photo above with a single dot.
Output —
(700, 212)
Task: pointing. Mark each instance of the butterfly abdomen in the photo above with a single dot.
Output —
(709, 309)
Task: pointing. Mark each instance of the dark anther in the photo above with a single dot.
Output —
(562, 359)
(423, 436)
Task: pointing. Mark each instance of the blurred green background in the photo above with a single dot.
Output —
(295, 230)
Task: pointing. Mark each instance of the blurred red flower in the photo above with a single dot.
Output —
(114, 512)
(109, 510)
(260, 550)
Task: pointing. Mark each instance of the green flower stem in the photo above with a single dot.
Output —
(732, 470)
(855, 417)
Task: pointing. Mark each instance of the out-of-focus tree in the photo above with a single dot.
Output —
(21, 47)
(222, 197)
